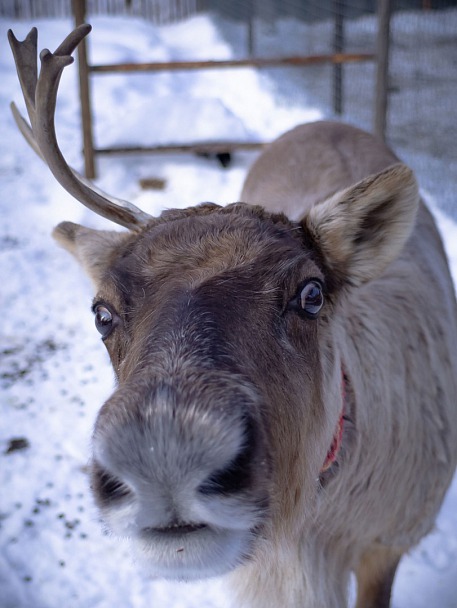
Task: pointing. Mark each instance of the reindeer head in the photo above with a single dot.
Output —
(219, 322)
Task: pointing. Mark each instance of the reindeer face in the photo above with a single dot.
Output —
(212, 322)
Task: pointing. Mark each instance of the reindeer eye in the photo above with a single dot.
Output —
(311, 299)
(103, 320)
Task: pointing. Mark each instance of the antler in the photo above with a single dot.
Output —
(40, 95)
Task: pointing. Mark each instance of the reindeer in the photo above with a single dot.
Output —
(286, 367)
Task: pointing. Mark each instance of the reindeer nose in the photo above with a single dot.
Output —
(163, 453)
(233, 477)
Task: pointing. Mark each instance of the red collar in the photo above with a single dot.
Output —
(338, 436)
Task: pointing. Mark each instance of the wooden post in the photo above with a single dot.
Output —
(338, 46)
(250, 45)
(382, 68)
(79, 12)
(250, 22)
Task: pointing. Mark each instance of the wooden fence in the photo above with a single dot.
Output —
(166, 11)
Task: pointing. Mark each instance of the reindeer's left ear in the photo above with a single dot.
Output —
(362, 229)
(94, 249)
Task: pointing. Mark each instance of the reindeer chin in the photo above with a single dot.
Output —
(191, 555)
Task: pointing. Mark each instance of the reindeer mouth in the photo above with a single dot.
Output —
(177, 529)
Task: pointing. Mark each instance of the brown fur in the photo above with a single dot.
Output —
(375, 575)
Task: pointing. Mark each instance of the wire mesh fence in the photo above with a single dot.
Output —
(157, 11)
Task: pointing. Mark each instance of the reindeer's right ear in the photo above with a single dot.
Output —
(362, 229)
(94, 249)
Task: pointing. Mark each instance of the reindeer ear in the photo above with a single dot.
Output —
(94, 249)
(361, 229)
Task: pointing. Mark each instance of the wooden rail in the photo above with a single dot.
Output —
(211, 147)
(258, 62)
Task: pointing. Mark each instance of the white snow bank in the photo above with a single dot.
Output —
(54, 370)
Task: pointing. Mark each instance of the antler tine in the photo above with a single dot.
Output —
(25, 129)
(25, 55)
(73, 39)
(40, 94)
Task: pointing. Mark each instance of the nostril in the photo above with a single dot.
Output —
(106, 486)
(236, 476)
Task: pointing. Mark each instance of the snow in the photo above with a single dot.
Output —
(54, 371)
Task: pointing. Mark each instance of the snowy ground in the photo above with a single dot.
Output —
(54, 371)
